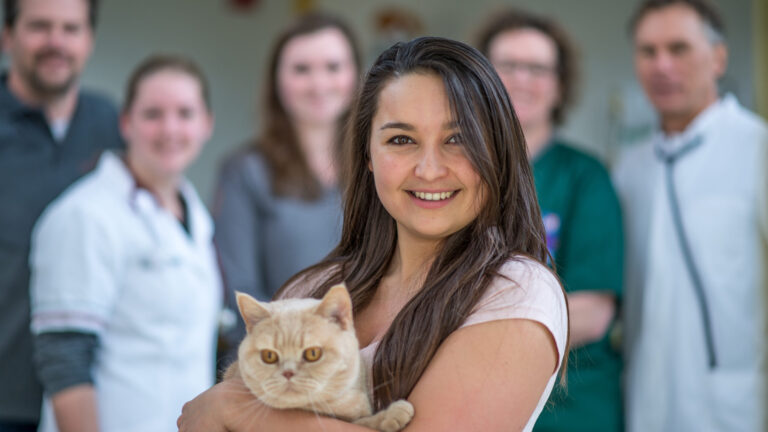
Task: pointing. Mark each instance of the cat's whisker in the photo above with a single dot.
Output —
(306, 383)
(270, 386)
(325, 407)
(239, 392)
(320, 409)
(256, 412)
(317, 414)
(380, 385)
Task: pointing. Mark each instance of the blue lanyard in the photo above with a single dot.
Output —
(669, 159)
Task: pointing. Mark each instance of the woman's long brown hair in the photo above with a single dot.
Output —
(289, 169)
(508, 226)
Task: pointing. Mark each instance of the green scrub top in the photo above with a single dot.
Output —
(582, 219)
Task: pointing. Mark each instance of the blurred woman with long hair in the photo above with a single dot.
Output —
(278, 205)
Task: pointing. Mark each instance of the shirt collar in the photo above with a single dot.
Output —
(697, 128)
(112, 169)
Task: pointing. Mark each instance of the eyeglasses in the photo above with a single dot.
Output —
(537, 70)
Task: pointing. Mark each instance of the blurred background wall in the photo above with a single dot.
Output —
(231, 40)
(760, 48)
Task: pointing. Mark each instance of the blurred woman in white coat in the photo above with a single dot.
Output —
(125, 286)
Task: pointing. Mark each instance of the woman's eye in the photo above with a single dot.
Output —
(301, 68)
(400, 140)
(151, 114)
(186, 113)
(455, 139)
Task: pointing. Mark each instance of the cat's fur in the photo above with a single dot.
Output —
(335, 384)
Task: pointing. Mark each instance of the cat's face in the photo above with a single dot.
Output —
(299, 353)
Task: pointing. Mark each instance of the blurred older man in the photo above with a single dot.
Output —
(50, 133)
(692, 198)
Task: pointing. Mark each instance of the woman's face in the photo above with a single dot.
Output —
(422, 174)
(316, 77)
(526, 61)
(167, 124)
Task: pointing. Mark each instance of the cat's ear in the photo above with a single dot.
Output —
(251, 310)
(337, 306)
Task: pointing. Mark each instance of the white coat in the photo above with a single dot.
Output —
(669, 384)
(108, 260)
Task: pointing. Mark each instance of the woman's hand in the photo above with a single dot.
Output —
(227, 406)
(230, 407)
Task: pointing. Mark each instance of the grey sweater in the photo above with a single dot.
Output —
(263, 239)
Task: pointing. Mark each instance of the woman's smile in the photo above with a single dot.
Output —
(433, 200)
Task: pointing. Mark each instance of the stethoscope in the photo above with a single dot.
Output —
(669, 157)
(158, 258)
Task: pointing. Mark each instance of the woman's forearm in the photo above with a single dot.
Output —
(271, 420)
(76, 409)
(229, 406)
(591, 314)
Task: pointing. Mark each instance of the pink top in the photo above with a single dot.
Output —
(532, 292)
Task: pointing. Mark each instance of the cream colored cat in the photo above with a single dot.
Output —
(303, 353)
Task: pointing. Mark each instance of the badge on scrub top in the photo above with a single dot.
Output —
(552, 228)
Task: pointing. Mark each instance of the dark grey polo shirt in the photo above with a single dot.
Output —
(34, 169)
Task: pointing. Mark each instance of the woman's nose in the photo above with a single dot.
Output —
(431, 164)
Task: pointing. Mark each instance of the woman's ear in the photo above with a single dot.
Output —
(124, 123)
(210, 123)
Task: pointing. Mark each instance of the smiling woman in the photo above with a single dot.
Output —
(277, 206)
(165, 127)
(582, 218)
(442, 250)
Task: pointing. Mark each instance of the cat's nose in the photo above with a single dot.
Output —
(288, 374)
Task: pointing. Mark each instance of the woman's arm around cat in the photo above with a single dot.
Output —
(484, 377)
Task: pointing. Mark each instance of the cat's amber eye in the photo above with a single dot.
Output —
(313, 354)
(269, 356)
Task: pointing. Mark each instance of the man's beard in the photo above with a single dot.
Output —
(43, 87)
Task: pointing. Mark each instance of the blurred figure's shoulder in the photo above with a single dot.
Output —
(579, 165)
(521, 270)
(97, 194)
(246, 172)
(245, 158)
(97, 103)
(740, 117)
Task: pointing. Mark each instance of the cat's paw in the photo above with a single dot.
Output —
(398, 414)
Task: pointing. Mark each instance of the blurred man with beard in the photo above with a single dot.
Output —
(694, 202)
(51, 133)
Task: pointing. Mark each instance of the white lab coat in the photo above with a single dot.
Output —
(669, 385)
(107, 259)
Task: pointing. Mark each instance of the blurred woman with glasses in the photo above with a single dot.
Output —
(537, 64)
